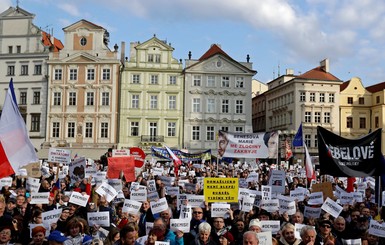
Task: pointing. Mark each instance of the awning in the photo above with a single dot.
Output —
(93, 153)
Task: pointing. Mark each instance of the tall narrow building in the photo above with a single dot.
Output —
(83, 92)
(151, 112)
(217, 97)
(24, 50)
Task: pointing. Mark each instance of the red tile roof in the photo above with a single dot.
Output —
(377, 87)
(214, 49)
(344, 85)
(319, 74)
(56, 45)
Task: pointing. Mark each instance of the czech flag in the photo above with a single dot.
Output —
(16, 149)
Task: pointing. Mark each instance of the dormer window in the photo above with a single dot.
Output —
(83, 41)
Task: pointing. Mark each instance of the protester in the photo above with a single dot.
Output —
(250, 238)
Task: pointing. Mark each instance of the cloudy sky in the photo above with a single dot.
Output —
(277, 34)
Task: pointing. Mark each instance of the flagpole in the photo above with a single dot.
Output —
(379, 192)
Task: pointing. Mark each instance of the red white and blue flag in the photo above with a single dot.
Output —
(16, 149)
(176, 160)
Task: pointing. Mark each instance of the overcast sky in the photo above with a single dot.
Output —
(277, 34)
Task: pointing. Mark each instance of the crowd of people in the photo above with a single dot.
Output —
(21, 221)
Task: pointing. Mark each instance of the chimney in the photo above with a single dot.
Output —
(122, 52)
(289, 72)
(325, 65)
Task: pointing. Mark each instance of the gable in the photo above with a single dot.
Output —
(81, 57)
(82, 24)
(154, 43)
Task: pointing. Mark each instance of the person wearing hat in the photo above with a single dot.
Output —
(325, 232)
(56, 238)
(63, 219)
(226, 238)
(10, 207)
(38, 236)
(255, 225)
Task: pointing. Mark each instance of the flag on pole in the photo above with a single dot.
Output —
(176, 160)
(310, 174)
(16, 149)
(298, 138)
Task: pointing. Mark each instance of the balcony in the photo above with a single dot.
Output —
(152, 139)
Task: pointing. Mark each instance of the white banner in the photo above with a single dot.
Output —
(106, 190)
(131, 206)
(270, 205)
(346, 198)
(377, 229)
(39, 198)
(289, 207)
(98, 218)
(265, 238)
(172, 190)
(196, 201)
(151, 186)
(115, 183)
(316, 198)
(139, 195)
(277, 181)
(351, 242)
(331, 207)
(310, 212)
(247, 204)
(270, 225)
(7, 181)
(152, 196)
(266, 192)
(219, 209)
(159, 206)
(77, 170)
(59, 155)
(78, 199)
(185, 212)
(180, 224)
(50, 217)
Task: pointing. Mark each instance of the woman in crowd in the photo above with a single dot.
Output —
(203, 236)
(76, 230)
(113, 237)
(155, 234)
(38, 236)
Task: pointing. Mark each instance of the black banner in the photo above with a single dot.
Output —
(341, 157)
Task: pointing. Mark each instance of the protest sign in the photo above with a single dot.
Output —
(106, 190)
(324, 187)
(139, 195)
(151, 186)
(351, 242)
(33, 170)
(270, 225)
(59, 155)
(298, 194)
(271, 205)
(77, 169)
(180, 225)
(332, 207)
(152, 196)
(7, 181)
(39, 198)
(311, 212)
(78, 199)
(196, 201)
(265, 238)
(219, 209)
(316, 198)
(159, 206)
(247, 204)
(376, 228)
(115, 183)
(172, 190)
(221, 189)
(98, 218)
(277, 181)
(185, 212)
(51, 217)
(131, 206)
(266, 192)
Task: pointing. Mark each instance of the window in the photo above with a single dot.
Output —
(225, 106)
(18, 49)
(90, 74)
(72, 98)
(56, 98)
(331, 98)
(104, 130)
(83, 41)
(312, 97)
(377, 122)
(302, 97)
(11, 70)
(73, 74)
(150, 58)
(350, 100)
(106, 74)
(134, 129)
(317, 117)
(315, 141)
(136, 78)
(105, 98)
(196, 132)
(90, 98)
(362, 122)
(211, 81)
(321, 97)
(210, 133)
(361, 100)
(89, 128)
(239, 106)
(154, 79)
(37, 70)
(55, 129)
(307, 116)
(349, 122)
(153, 101)
(36, 98)
(172, 80)
(10, 49)
(225, 128)
(135, 101)
(71, 130)
(197, 80)
(239, 129)
(35, 122)
(171, 129)
(58, 74)
(196, 105)
(172, 102)
(377, 99)
(24, 70)
(308, 140)
(157, 58)
(211, 105)
(23, 98)
(326, 117)
(239, 82)
(225, 82)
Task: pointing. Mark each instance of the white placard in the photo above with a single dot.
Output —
(316, 198)
(141, 240)
(311, 212)
(159, 206)
(157, 171)
(149, 226)
(196, 200)
(242, 193)
(106, 190)
(152, 196)
(266, 192)
(115, 183)
(265, 238)
(358, 197)
(247, 204)
(139, 195)
(346, 198)
(162, 243)
(270, 225)
(90, 171)
(351, 242)
(120, 152)
(151, 185)
(172, 190)
(383, 199)
(78, 199)
(331, 207)
(77, 170)
(185, 212)
(338, 191)
(51, 217)
(131, 206)
(98, 218)
(59, 155)
(277, 181)
(180, 224)
(298, 194)
(253, 177)
(7, 181)
(270, 205)
(219, 209)
(167, 181)
(288, 207)
(39, 198)
(377, 229)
